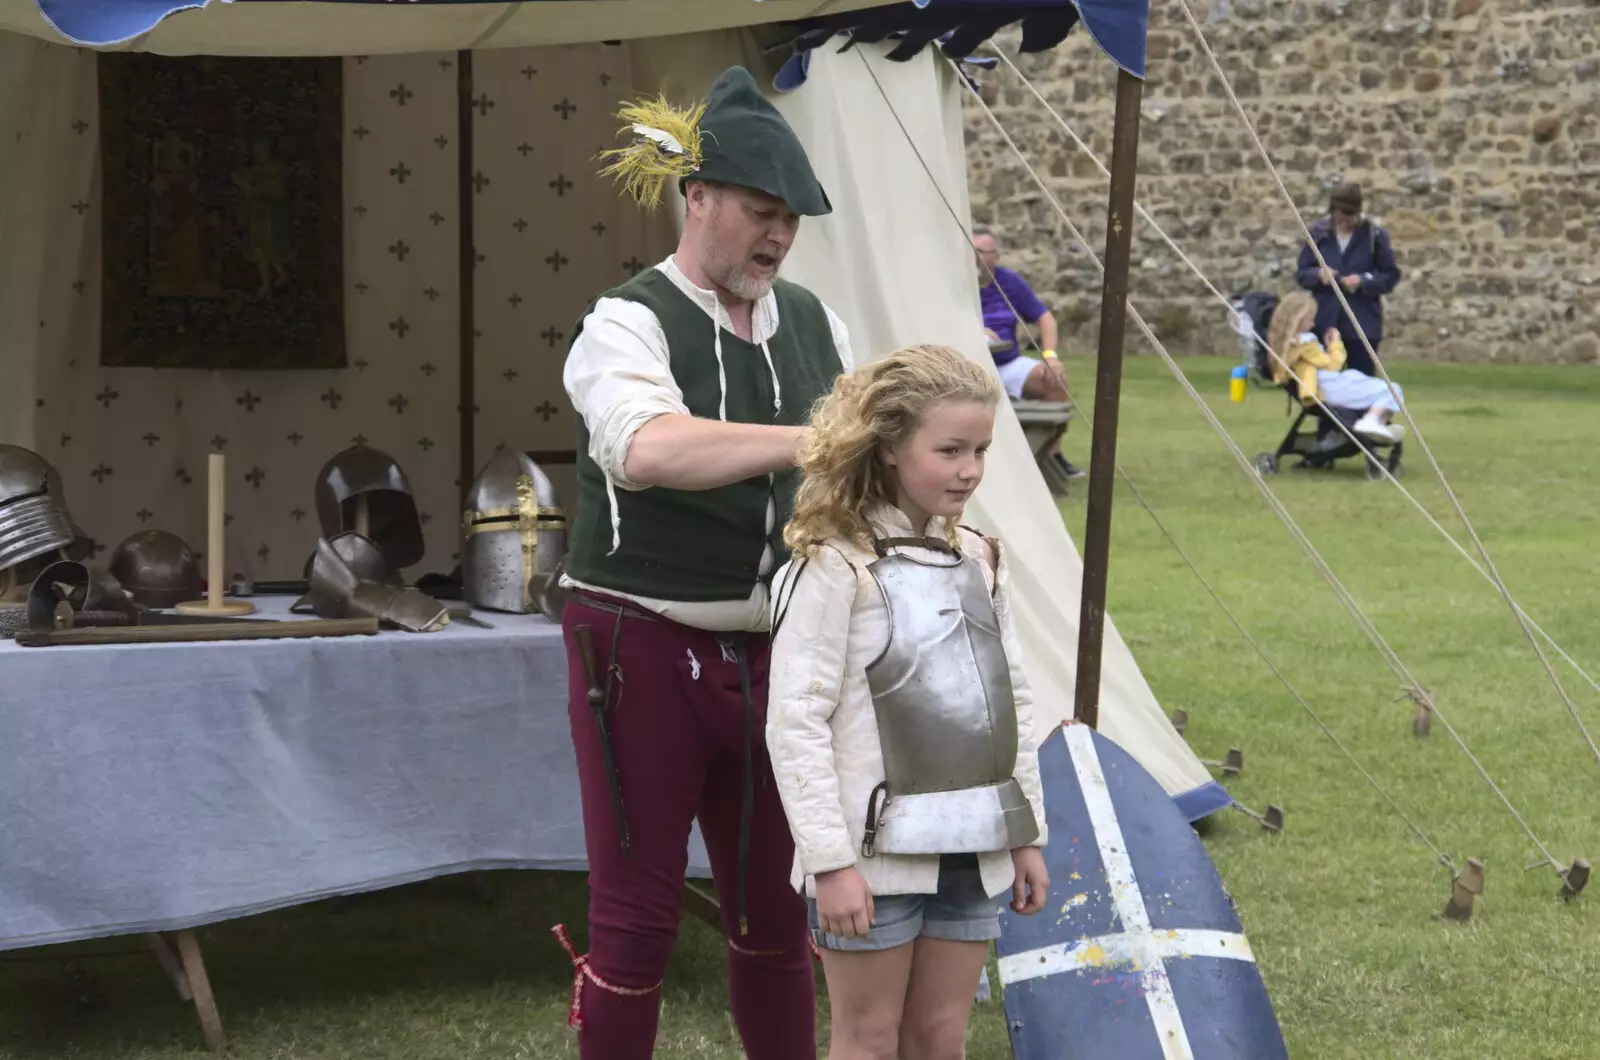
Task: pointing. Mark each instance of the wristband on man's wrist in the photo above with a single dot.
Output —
(1049, 355)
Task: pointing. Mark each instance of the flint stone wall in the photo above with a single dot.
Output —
(1472, 125)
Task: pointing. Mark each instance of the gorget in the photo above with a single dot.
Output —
(947, 721)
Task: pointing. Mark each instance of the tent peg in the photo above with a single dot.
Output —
(1465, 886)
(1232, 763)
(1421, 720)
(1271, 822)
(1574, 879)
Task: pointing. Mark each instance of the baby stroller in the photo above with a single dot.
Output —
(1320, 442)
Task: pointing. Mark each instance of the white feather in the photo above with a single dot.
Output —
(664, 140)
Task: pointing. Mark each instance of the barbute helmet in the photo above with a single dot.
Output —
(363, 472)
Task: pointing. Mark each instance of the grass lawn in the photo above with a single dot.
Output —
(1342, 909)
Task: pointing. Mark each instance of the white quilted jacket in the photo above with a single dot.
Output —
(822, 731)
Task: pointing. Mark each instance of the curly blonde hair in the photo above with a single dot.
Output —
(875, 407)
(1283, 333)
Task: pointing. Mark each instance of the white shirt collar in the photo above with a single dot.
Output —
(893, 522)
(763, 318)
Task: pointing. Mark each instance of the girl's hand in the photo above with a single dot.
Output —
(1330, 336)
(1032, 887)
(844, 903)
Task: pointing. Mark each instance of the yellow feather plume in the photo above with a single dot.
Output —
(665, 145)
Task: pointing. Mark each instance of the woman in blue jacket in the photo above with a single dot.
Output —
(1361, 261)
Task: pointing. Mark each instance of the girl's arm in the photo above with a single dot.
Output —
(806, 679)
(1027, 768)
(1336, 351)
(1309, 351)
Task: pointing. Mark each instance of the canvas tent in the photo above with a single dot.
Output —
(548, 235)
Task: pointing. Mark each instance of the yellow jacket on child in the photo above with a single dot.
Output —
(1305, 359)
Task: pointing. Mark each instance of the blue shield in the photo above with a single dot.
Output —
(1139, 954)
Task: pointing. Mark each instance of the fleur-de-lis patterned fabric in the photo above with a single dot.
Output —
(549, 234)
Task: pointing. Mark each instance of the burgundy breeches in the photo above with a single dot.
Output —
(686, 717)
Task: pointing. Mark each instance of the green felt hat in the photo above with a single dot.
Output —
(736, 137)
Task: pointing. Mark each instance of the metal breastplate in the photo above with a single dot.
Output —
(947, 722)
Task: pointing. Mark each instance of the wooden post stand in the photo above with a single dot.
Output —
(216, 499)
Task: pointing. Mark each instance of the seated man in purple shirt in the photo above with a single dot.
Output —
(1005, 295)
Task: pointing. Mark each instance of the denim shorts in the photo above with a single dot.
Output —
(958, 912)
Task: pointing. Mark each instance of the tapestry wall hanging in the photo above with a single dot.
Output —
(222, 239)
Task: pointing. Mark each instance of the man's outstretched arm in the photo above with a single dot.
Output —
(689, 453)
(641, 433)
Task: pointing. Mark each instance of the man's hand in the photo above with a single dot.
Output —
(800, 443)
(1328, 278)
(1350, 283)
(1032, 886)
(844, 903)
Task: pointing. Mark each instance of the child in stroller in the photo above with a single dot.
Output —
(1312, 369)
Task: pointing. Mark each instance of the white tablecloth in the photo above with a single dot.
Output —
(157, 787)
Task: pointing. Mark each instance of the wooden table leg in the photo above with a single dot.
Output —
(170, 964)
(701, 903)
(200, 986)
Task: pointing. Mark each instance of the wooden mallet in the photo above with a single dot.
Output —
(214, 604)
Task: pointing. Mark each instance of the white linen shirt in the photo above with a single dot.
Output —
(618, 376)
(822, 731)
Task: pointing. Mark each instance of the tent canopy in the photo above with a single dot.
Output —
(348, 27)
(886, 138)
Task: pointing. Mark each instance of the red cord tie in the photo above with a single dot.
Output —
(582, 971)
(735, 947)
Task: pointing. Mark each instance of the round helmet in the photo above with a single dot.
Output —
(158, 569)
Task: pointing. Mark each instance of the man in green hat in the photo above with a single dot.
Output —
(693, 383)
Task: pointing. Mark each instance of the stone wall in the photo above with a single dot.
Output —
(1473, 126)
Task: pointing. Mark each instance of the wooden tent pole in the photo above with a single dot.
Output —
(466, 365)
(1107, 398)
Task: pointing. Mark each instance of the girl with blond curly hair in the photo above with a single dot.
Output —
(899, 720)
